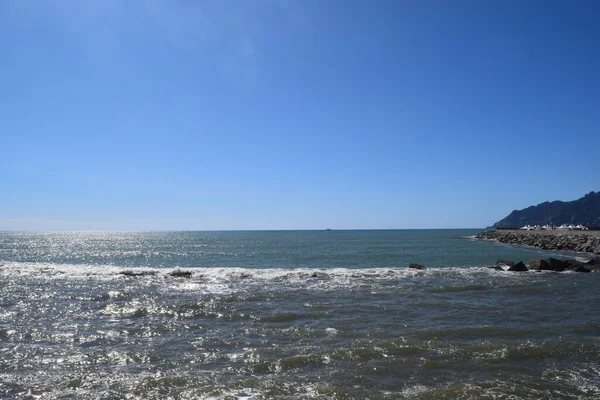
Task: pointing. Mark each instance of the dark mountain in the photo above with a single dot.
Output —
(585, 211)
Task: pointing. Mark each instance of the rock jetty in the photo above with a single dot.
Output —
(588, 241)
(550, 264)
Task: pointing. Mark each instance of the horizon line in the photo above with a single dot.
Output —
(225, 230)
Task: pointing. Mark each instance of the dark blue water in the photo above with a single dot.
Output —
(328, 314)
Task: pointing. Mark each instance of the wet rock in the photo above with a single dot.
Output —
(535, 263)
(508, 263)
(552, 264)
(518, 267)
(130, 273)
(181, 274)
(136, 273)
(580, 268)
(416, 266)
(573, 261)
(497, 267)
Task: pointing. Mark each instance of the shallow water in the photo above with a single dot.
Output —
(290, 315)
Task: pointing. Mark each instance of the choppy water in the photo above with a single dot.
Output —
(293, 315)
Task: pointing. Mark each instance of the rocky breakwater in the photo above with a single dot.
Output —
(550, 264)
(546, 264)
(582, 241)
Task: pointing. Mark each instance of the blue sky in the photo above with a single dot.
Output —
(265, 114)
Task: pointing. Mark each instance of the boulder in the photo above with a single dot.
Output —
(416, 266)
(552, 264)
(497, 267)
(535, 263)
(572, 263)
(580, 268)
(508, 263)
(593, 267)
(518, 267)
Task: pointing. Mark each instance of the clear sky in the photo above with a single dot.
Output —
(265, 114)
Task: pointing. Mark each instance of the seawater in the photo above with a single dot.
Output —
(290, 315)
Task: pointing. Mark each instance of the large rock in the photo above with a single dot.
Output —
(535, 263)
(416, 266)
(593, 267)
(518, 267)
(572, 262)
(580, 268)
(552, 264)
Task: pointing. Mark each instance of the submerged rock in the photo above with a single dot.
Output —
(508, 263)
(136, 273)
(181, 274)
(416, 266)
(518, 267)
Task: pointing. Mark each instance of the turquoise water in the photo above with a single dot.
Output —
(291, 314)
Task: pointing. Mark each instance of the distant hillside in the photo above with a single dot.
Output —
(585, 211)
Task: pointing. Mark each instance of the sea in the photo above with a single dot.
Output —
(290, 315)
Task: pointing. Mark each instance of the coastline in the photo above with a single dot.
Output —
(579, 241)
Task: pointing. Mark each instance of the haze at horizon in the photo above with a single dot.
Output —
(176, 115)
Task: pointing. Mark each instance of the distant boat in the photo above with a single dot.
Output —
(328, 229)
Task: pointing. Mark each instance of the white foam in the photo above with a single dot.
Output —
(331, 331)
(585, 377)
(239, 394)
(222, 280)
